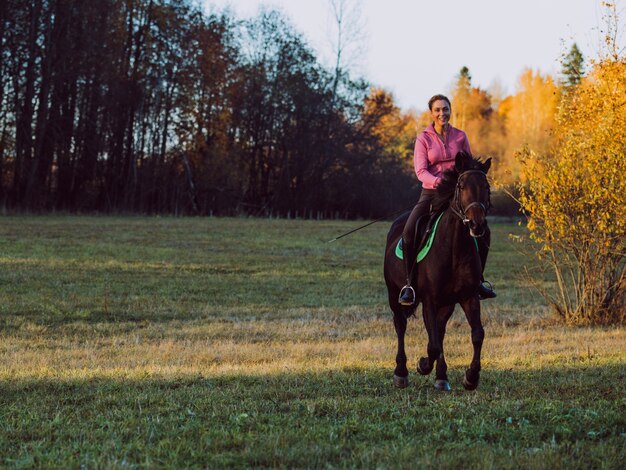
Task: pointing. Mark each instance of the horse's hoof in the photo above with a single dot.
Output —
(400, 382)
(470, 385)
(442, 385)
(423, 366)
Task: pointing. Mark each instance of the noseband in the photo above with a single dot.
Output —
(456, 206)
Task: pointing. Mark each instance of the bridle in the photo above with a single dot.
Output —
(456, 206)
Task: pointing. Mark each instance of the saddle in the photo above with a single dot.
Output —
(424, 227)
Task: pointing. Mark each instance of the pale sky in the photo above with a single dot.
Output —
(415, 48)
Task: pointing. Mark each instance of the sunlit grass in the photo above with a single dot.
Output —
(242, 342)
(178, 349)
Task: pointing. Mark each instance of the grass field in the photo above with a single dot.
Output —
(205, 342)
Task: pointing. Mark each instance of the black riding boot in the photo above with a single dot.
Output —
(407, 294)
(485, 290)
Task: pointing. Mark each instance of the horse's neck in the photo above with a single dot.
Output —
(453, 224)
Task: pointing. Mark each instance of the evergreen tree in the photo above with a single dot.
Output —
(573, 67)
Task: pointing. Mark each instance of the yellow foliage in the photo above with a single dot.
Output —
(576, 191)
(394, 130)
(530, 116)
(525, 119)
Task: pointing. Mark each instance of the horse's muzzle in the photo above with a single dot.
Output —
(475, 219)
(477, 232)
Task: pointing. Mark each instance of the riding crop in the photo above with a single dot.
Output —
(370, 223)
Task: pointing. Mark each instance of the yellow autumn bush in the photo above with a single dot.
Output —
(575, 197)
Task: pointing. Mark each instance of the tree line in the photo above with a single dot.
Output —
(152, 106)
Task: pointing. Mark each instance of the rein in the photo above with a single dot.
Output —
(456, 206)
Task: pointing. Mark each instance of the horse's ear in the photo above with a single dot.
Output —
(487, 165)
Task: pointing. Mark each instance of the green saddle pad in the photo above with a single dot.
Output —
(424, 251)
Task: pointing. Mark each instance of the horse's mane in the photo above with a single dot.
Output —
(445, 190)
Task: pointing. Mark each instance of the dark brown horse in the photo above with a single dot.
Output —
(449, 274)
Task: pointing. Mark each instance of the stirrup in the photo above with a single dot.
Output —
(407, 303)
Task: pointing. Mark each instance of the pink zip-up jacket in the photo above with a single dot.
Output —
(432, 156)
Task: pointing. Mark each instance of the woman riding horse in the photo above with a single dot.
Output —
(435, 149)
(449, 273)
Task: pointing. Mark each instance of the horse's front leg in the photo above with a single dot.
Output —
(434, 348)
(441, 380)
(400, 374)
(471, 307)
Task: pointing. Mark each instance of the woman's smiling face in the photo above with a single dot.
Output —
(440, 113)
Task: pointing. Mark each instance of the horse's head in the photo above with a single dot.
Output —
(472, 193)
